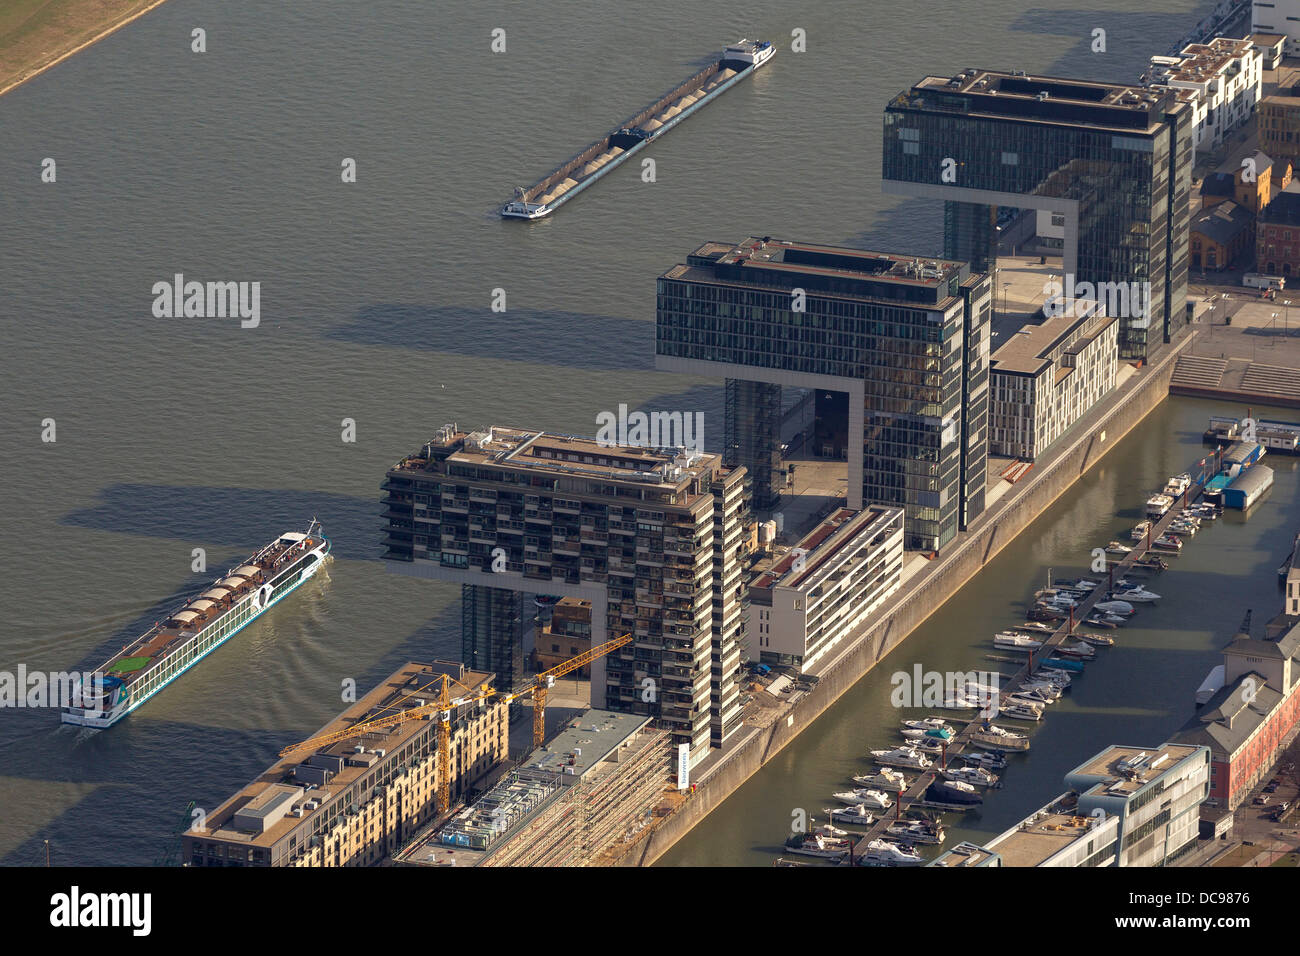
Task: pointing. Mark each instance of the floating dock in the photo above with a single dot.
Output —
(616, 147)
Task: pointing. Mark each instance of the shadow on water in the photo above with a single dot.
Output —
(239, 518)
(537, 336)
(143, 763)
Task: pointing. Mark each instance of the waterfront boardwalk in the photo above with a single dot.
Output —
(914, 796)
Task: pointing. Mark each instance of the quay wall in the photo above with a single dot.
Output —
(1023, 504)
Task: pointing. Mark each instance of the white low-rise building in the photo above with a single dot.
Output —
(1278, 16)
(1225, 79)
(1046, 376)
(823, 590)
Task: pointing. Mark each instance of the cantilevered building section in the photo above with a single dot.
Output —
(1114, 161)
(356, 800)
(906, 339)
(651, 537)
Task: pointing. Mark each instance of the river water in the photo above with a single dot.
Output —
(176, 434)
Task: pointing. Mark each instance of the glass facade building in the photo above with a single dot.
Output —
(1115, 161)
(907, 339)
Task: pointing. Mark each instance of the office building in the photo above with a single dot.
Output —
(1048, 375)
(353, 801)
(650, 537)
(1127, 806)
(1113, 161)
(905, 339)
(819, 593)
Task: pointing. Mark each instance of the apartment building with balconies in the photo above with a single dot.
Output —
(651, 537)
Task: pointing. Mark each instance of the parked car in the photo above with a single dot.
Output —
(1271, 788)
(1260, 800)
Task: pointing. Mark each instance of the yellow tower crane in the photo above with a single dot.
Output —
(444, 704)
(544, 681)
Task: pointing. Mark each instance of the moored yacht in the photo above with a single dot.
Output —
(871, 799)
(854, 815)
(813, 844)
(975, 776)
(883, 779)
(994, 737)
(902, 757)
(917, 831)
(884, 853)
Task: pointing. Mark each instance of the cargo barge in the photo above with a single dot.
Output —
(616, 147)
(175, 644)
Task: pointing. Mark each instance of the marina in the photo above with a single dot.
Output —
(963, 759)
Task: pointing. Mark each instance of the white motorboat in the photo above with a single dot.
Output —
(1019, 642)
(987, 760)
(975, 776)
(1036, 627)
(902, 757)
(885, 853)
(1168, 542)
(1019, 710)
(858, 816)
(913, 735)
(1140, 532)
(1177, 486)
(883, 779)
(1158, 505)
(917, 831)
(1083, 584)
(871, 799)
(1136, 594)
(829, 831)
(1116, 548)
(814, 845)
(927, 723)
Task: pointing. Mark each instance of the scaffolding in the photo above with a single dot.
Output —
(545, 818)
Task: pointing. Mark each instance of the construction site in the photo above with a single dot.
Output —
(574, 802)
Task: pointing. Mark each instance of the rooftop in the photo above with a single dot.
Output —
(1052, 100)
(1222, 222)
(1122, 770)
(1028, 351)
(568, 455)
(585, 742)
(840, 527)
(1043, 834)
(764, 262)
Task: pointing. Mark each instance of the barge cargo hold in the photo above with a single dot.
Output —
(175, 644)
(737, 62)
